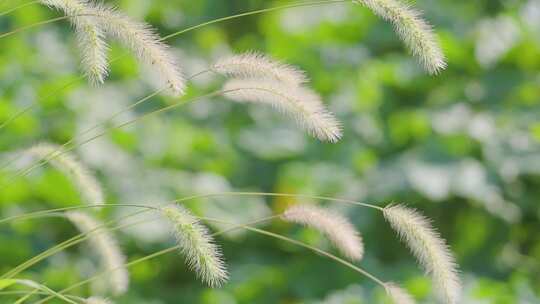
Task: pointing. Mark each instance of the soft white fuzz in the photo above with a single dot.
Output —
(86, 182)
(256, 65)
(97, 300)
(106, 247)
(304, 105)
(202, 254)
(413, 30)
(90, 36)
(337, 228)
(145, 43)
(398, 294)
(429, 248)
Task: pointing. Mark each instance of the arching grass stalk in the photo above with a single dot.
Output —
(200, 196)
(235, 226)
(81, 237)
(70, 242)
(37, 287)
(34, 292)
(175, 34)
(49, 157)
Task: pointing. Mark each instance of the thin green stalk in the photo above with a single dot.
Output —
(68, 243)
(244, 226)
(17, 7)
(265, 10)
(26, 27)
(81, 237)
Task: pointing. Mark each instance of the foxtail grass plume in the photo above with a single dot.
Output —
(106, 247)
(90, 36)
(97, 300)
(202, 254)
(146, 44)
(304, 105)
(256, 65)
(398, 294)
(412, 29)
(86, 182)
(429, 248)
(334, 226)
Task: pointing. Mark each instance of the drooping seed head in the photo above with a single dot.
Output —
(202, 254)
(415, 32)
(90, 36)
(429, 248)
(334, 226)
(256, 65)
(86, 182)
(304, 105)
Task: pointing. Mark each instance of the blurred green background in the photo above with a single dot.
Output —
(463, 147)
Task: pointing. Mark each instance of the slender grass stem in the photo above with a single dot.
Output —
(59, 247)
(18, 7)
(235, 226)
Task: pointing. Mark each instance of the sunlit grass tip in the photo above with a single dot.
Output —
(86, 182)
(304, 105)
(203, 256)
(106, 247)
(256, 65)
(397, 294)
(415, 32)
(337, 228)
(429, 248)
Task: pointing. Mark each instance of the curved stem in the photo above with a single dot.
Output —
(72, 241)
(208, 195)
(236, 226)
(18, 7)
(266, 10)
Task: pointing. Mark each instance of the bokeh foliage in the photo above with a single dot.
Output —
(462, 147)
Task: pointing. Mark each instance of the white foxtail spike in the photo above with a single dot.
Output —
(429, 248)
(256, 65)
(412, 29)
(145, 43)
(304, 105)
(90, 36)
(337, 228)
(202, 254)
(106, 247)
(398, 294)
(86, 182)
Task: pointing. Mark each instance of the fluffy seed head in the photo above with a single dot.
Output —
(202, 254)
(86, 182)
(106, 247)
(413, 30)
(255, 65)
(304, 105)
(90, 36)
(97, 300)
(337, 228)
(398, 294)
(429, 248)
(145, 43)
